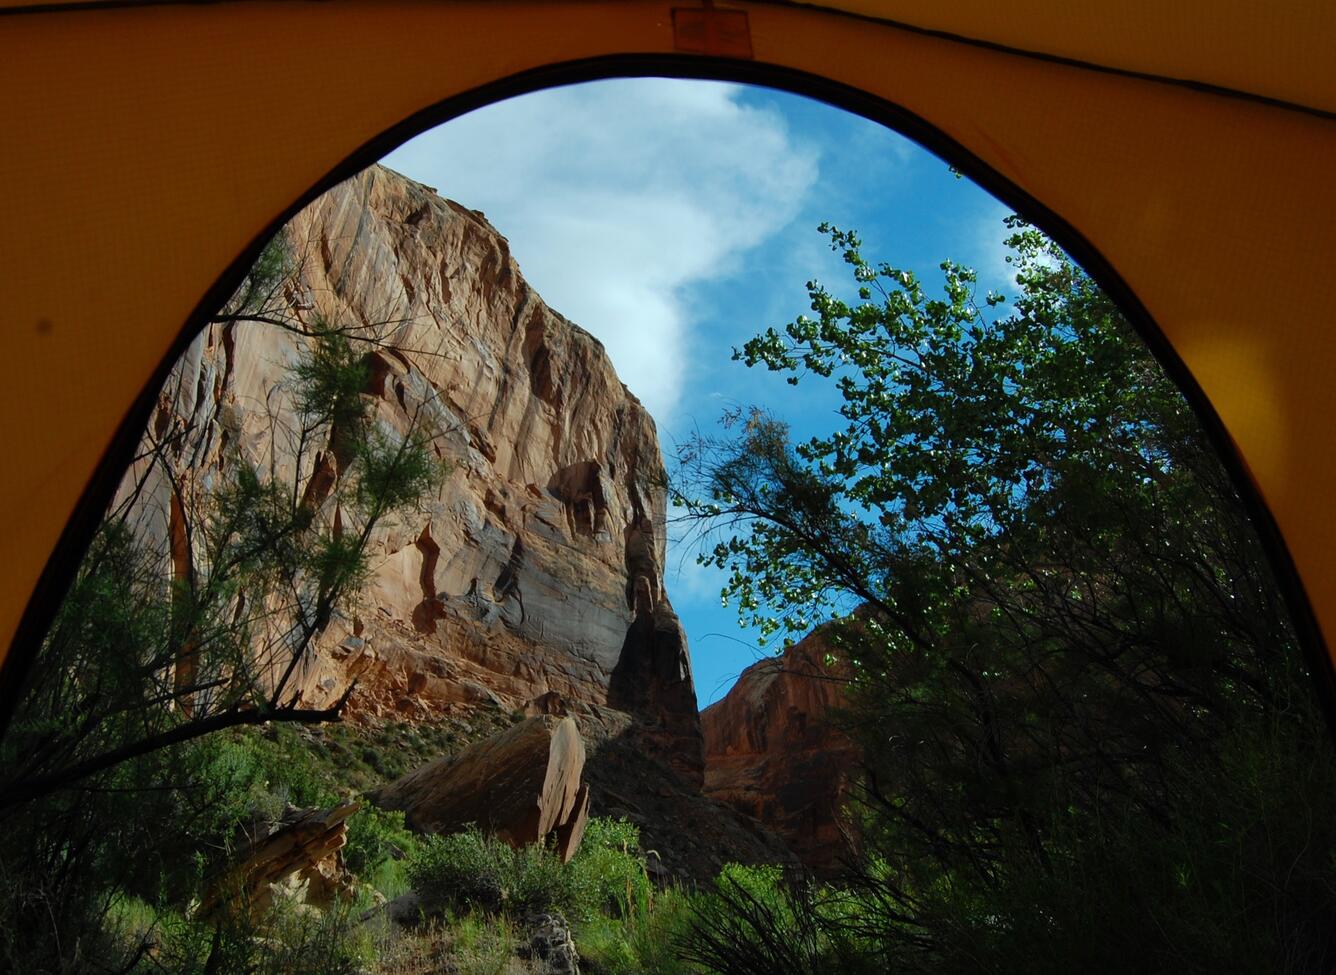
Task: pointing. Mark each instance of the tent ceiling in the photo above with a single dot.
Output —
(1279, 51)
(149, 146)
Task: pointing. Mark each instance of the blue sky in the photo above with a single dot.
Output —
(674, 220)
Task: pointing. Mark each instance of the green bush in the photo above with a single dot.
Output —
(541, 882)
(374, 837)
(622, 924)
(647, 944)
(608, 872)
(472, 870)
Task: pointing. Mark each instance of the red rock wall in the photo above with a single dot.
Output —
(535, 569)
(772, 753)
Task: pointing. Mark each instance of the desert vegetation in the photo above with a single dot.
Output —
(1090, 738)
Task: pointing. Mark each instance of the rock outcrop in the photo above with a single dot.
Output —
(523, 785)
(772, 753)
(551, 949)
(534, 573)
(298, 856)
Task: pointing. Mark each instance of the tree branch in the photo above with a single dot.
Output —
(17, 793)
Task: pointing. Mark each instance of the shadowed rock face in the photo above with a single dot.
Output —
(534, 571)
(772, 753)
(652, 679)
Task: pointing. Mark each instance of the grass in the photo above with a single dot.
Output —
(645, 944)
(473, 943)
(621, 924)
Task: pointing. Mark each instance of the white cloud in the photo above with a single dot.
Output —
(618, 196)
(992, 251)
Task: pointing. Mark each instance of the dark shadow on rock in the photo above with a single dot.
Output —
(652, 679)
(685, 835)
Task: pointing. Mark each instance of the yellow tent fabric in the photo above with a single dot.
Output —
(1184, 150)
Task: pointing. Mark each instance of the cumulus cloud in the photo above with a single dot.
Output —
(618, 196)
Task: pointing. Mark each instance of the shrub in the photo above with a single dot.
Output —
(608, 872)
(539, 881)
(376, 836)
(466, 869)
(622, 925)
(473, 870)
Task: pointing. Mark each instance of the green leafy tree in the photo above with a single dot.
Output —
(1067, 645)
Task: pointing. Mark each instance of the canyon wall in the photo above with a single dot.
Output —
(773, 753)
(532, 577)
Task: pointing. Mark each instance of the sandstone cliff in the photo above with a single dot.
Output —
(531, 581)
(534, 573)
(772, 753)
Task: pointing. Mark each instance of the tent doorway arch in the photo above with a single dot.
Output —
(1127, 169)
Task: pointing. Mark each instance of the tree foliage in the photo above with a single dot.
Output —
(1071, 661)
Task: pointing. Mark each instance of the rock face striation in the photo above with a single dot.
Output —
(772, 753)
(532, 579)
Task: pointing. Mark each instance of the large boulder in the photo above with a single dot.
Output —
(523, 785)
